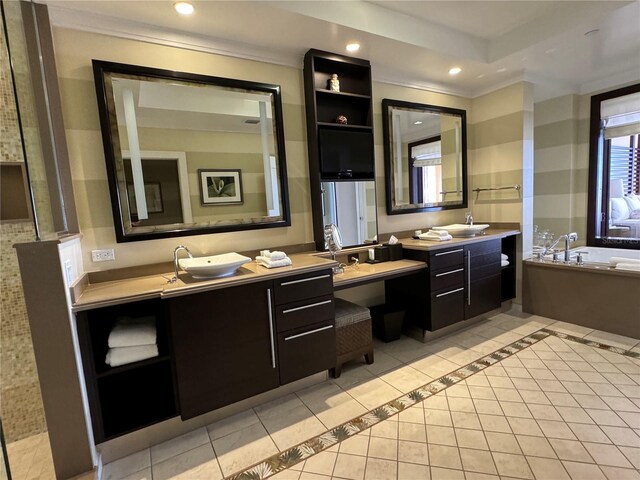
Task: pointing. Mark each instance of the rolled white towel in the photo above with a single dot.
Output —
(124, 355)
(277, 255)
(131, 332)
(504, 257)
(632, 267)
(504, 263)
(617, 260)
(268, 263)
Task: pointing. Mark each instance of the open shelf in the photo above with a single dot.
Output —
(343, 94)
(340, 125)
(508, 273)
(131, 366)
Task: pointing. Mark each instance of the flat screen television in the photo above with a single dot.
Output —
(346, 154)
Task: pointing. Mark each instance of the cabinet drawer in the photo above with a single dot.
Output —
(446, 258)
(448, 279)
(487, 246)
(447, 308)
(306, 351)
(481, 260)
(304, 313)
(301, 287)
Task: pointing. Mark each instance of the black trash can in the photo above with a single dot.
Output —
(387, 321)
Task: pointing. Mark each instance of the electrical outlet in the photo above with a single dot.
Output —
(107, 255)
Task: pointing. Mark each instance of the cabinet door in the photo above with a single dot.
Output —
(483, 296)
(224, 348)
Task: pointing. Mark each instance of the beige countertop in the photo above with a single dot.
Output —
(598, 268)
(371, 272)
(115, 292)
(490, 233)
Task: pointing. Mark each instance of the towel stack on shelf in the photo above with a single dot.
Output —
(273, 259)
(504, 260)
(436, 236)
(132, 340)
(623, 263)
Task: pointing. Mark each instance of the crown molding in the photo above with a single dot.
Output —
(618, 80)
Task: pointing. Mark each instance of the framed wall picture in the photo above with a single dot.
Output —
(220, 187)
(153, 193)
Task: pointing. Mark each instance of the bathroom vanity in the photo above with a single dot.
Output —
(227, 339)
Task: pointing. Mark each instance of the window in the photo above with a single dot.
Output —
(614, 169)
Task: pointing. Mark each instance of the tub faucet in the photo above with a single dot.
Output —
(468, 219)
(175, 260)
(568, 238)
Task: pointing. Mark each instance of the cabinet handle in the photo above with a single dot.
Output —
(447, 253)
(304, 307)
(468, 278)
(273, 347)
(320, 277)
(449, 293)
(449, 273)
(308, 333)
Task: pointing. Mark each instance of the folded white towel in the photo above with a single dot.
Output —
(434, 238)
(504, 263)
(504, 257)
(617, 260)
(268, 263)
(441, 233)
(632, 267)
(123, 355)
(131, 332)
(277, 255)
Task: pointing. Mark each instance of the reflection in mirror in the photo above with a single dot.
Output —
(425, 157)
(190, 154)
(352, 207)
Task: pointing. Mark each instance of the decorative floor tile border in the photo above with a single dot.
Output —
(290, 457)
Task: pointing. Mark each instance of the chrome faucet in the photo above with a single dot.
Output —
(568, 238)
(468, 219)
(175, 260)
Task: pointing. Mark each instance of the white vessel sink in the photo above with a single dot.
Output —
(462, 229)
(213, 266)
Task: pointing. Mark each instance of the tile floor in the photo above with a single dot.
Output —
(557, 409)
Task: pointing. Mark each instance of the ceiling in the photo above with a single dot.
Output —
(408, 42)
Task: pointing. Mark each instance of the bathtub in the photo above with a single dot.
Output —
(592, 295)
(602, 255)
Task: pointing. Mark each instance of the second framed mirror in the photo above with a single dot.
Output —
(425, 156)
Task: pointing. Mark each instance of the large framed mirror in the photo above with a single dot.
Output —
(425, 153)
(190, 154)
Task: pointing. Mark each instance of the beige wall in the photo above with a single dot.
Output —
(562, 165)
(496, 143)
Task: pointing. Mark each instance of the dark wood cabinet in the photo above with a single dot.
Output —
(483, 289)
(224, 346)
(132, 396)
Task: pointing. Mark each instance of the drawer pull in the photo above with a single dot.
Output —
(271, 336)
(302, 280)
(449, 273)
(447, 253)
(304, 307)
(449, 293)
(308, 333)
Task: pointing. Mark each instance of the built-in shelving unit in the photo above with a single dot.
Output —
(132, 396)
(509, 272)
(337, 152)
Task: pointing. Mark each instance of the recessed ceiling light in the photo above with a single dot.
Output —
(183, 8)
(417, 122)
(455, 71)
(353, 47)
(501, 70)
(592, 32)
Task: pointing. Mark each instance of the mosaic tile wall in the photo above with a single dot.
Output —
(20, 400)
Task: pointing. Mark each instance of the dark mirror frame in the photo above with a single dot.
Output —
(388, 168)
(100, 68)
(598, 165)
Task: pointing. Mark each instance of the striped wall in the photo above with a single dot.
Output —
(497, 144)
(562, 165)
(501, 154)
